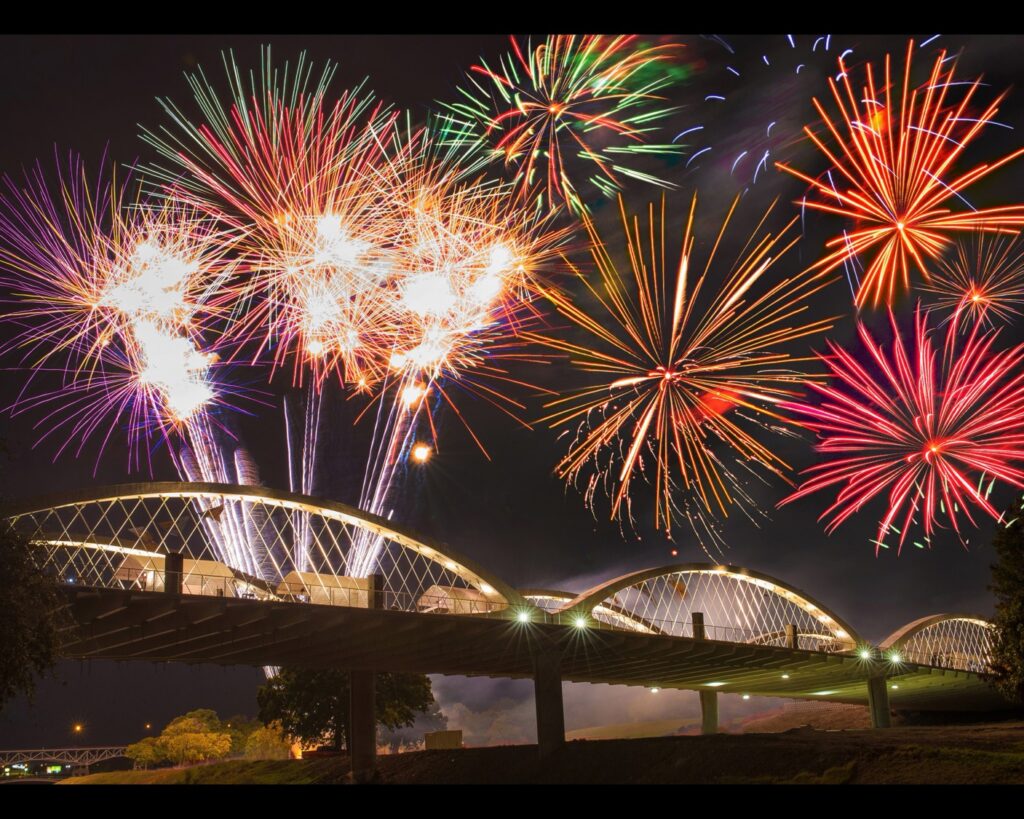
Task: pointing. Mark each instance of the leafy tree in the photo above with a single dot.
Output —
(197, 736)
(1008, 586)
(241, 728)
(145, 752)
(312, 705)
(30, 615)
(267, 742)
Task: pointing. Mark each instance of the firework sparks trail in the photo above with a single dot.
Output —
(113, 294)
(463, 261)
(893, 166)
(683, 368)
(592, 96)
(983, 278)
(741, 134)
(373, 254)
(923, 424)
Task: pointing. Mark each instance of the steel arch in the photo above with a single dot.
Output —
(664, 598)
(550, 601)
(143, 522)
(958, 641)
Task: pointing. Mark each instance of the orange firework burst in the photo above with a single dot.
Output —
(463, 261)
(687, 369)
(307, 179)
(983, 279)
(893, 174)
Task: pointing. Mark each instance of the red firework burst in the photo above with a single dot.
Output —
(893, 174)
(925, 426)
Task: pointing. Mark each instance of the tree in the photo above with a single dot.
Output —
(312, 705)
(1007, 662)
(197, 736)
(268, 742)
(241, 728)
(30, 616)
(145, 752)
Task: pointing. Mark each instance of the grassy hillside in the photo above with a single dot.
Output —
(948, 754)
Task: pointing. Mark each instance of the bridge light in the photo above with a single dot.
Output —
(77, 728)
(746, 696)
(895, 658)
(523, 617)
(785, 676)
(894, 687)
(580, 622)
(655, 690)
(714, 684)
(865, 653)
(486, 589)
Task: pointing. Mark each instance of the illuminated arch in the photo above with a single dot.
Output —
(960, 641)
(274, 543)
(552, 601)
(739, 605)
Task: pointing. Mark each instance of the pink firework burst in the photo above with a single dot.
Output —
(923, 423)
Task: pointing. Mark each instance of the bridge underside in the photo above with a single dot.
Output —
(131, 625)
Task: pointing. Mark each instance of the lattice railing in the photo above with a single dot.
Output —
(736, 608)
(962, 643)
(245, 546)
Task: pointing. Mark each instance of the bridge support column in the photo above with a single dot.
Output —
(174, 569)
(791, 637)
(547, 693)
(708, 699)
(878, 702)
(708, 712)
(362, 725)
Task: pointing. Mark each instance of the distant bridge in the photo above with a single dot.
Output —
(248, 575)
(77, 757)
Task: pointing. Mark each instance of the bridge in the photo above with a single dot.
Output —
(230, 574)
(75, 757)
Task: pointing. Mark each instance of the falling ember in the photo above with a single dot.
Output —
(894, 179)
(421, 453)
(922, 424)
(675, 358)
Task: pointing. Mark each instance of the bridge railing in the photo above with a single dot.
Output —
(451, 600)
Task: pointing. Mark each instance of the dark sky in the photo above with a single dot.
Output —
(509, 513)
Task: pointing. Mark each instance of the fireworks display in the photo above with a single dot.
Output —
(893, 174)
(324, 242)
(592, 98)
(739, 134)
(983, 278)
(111, 294)
(691, 362)
(930, 426)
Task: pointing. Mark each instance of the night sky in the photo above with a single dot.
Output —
(509, 513)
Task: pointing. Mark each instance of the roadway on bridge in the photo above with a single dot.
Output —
(135, 625)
